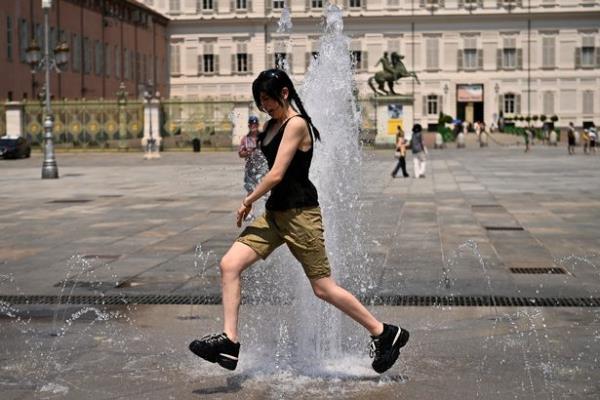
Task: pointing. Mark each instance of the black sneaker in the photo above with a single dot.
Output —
(217, 348)
(385, 348)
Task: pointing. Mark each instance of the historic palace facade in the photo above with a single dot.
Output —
(474, 58)
(110, 41)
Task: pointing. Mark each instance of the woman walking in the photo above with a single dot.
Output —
(292, 217)
(400, 154)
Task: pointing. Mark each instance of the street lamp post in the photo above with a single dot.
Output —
(151, 142)
(37, 62)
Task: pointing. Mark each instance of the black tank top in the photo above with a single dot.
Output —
(295, 189)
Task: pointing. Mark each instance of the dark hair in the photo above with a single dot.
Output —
(271, 82)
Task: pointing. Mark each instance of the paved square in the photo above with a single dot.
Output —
(115, 225)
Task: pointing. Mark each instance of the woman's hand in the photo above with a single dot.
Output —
(242, 212)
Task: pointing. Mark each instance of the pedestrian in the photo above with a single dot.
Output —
(528, 138)
(400, 154)
(593, 139)
(477, 127)
(571, 139)
(419, 151)
(585, 138)
(292, 217)
(256, 165)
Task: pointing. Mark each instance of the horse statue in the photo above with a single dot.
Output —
(392, 71)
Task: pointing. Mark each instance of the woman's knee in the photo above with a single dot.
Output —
(321, 291)
(230, 266)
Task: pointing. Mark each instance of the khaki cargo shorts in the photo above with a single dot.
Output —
(300, 228)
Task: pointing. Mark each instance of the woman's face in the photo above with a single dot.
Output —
(271, 106)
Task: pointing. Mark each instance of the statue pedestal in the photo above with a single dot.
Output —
(391, 112)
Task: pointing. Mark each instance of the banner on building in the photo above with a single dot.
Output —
(469, 93)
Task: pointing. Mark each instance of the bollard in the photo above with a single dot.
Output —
(439, 141)
(460, 140)
(553, 138)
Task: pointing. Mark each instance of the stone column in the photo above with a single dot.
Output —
(151, 140)
(14, 119)
(241, 112)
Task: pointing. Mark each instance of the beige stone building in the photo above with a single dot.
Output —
(474, 58)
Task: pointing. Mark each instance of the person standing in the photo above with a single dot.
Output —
(419, 151)
(571, 139)
(292, 217)
(256, 165)
(249, 150)
(593, 139)
(585, 138)
(400, 154)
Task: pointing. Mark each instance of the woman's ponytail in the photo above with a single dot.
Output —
(303, 113)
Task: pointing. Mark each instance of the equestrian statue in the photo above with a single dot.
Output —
(392, 71)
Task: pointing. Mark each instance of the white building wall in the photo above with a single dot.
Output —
(376, 22)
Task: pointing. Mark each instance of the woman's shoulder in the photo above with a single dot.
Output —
(296, 123)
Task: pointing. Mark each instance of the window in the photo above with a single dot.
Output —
(9, 38)
(509, 58)
(174, 6)
(241, 62)
(278, 4)
(23, 40)
(99, 58)
(548, 52)
(432, 104)
(175, 59)
(87, 56)
(588, 52)
(359, 59)
(432, 55)
(548, 106)
(107, 60)
(316, 4)
(470, 61)
(241, 4)
(510, 104)
(588, 102)
(393, 3)
(469, 4)
(204, 5)
(76, 52)
(117, 62)
(138, 67)
(355, 3)
(126, 65)
(209, 63)
(280, 60)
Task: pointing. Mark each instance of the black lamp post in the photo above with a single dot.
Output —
(37, 61)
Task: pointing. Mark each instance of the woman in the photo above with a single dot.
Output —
(256, 165)
(292, 217)
(400, 154)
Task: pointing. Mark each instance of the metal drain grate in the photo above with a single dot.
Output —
(101, 256)
(416, 301)
(504, 228)
(537, 270)
(70, 201)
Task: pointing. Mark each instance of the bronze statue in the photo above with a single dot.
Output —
(392, 71)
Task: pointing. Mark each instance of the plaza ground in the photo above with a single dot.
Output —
(476, 227)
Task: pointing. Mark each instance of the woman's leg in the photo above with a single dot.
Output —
(328, 290)
(237, 259)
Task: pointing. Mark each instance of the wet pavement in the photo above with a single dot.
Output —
(480, 224)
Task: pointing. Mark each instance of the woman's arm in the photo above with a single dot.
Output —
(293, 135)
